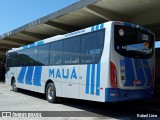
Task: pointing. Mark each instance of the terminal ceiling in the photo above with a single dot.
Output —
(83, 14)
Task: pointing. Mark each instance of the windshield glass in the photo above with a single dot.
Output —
(133, 42)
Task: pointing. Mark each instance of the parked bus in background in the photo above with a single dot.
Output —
(109, 62)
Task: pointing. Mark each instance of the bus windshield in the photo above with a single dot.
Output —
(133, 42)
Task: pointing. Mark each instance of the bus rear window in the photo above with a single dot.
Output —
(133, 42)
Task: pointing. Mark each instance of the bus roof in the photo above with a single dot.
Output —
(79, 32)
(60, 37)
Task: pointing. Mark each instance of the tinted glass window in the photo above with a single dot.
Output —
(133, 42)
(8, 58)
(25, 57)
(33, 54)
(43, 54)
(85, 49)
(71, 50)
(56, 53)
(92, 47)
(14, 59)
(19, 58)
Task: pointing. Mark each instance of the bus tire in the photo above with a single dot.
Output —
(14, 88)
(51, 93)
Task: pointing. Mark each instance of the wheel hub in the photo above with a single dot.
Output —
(50, 93)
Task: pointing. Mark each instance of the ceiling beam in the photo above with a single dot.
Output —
(105, 14)
(24, 42)
(9, 45)
(4, 49)
(147, 18)
(97, 14)
(34, 35)
(3, 46)
(62, 27)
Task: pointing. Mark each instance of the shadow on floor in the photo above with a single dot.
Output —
(118, 110)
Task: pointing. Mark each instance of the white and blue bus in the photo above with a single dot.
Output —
(109, 62)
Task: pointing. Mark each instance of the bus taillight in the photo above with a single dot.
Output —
(113, 75)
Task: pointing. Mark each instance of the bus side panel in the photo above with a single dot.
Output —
(70, 81)
(95, 77)
(35, 79)
(40, 77)
(25, 78)
(88, 74)
(8, 77)
(105, 64)
(54, 74)
(21, 72)
(9, 74)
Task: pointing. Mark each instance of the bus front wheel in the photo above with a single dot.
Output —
(51, 93)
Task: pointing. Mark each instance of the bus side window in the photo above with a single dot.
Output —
(71, 51)
(19, 58)
(43, 54)
(92, 46)
(14, 60)
(26, 58)
(33, 54)
(8, 64)
(56, 53)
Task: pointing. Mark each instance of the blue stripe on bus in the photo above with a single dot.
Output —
(102, 26)
(147, 72)
(129, 72)
(98, 80)
(21, 75)
(92, 28)
(97, 27)
(87, 79)
(32, 45)
(139, 72)
(40, 43)
(37, 76)
(29, 75)
(92, 79)
(25, 47)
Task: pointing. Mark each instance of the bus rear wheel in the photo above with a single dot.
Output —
(51, 93)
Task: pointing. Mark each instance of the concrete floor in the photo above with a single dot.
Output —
(26, 101)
